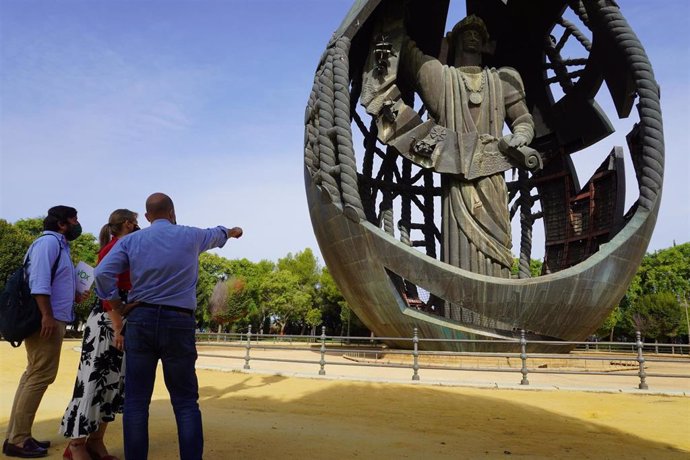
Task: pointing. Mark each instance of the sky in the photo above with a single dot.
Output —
(105, 102)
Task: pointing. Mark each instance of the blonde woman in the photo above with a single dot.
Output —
(99, 388)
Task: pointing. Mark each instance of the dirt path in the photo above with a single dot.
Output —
(253, 416)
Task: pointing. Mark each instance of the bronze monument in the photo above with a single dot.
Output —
(470, 104)
(432, 114)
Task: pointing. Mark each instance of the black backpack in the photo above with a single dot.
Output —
(19, 313)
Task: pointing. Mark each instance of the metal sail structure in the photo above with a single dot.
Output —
(391, 275)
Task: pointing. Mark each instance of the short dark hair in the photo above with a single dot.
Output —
(57, 215)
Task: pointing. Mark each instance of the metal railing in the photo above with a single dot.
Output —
(367, 351)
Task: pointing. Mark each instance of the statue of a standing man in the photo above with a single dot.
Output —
(468, 98)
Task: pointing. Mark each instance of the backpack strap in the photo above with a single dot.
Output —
(53, 270)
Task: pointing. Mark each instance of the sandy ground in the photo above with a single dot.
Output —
(261, 416)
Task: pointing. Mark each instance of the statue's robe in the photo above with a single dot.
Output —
(476, 232)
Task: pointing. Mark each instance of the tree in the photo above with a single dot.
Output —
(535, 267)
(258, 312)
(306, 271)
(13, 245)
(33, 225)
(657, 316)
(85, 248)
(238, 302)
(610, 324)
(212, 268)
(15, 240)
(303, 265)
(662, 275)
(285, 298)
(337, 314)
(313, 319)
(204, 289)
(295, 293)
(217, 303)
(667, 270)
(333, 305)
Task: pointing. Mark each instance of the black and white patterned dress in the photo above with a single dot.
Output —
(99, 389)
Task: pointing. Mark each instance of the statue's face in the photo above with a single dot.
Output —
(471, 40)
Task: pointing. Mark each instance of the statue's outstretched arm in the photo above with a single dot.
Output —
(423, 73)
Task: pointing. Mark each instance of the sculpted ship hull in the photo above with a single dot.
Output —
(377, 273)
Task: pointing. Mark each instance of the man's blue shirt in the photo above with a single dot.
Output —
(42, 255)
(163, 261)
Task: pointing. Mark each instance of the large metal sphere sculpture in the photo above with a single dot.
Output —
(392, 276)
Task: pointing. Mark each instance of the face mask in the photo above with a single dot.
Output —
(73, 232)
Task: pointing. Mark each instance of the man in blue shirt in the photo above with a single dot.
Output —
(163, 261)
(55, 297)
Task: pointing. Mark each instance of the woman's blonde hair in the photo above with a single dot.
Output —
(114, 226)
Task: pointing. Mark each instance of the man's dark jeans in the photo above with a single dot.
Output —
(153, 333)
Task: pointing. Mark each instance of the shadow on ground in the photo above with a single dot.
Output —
(253, 416)
(377, 421)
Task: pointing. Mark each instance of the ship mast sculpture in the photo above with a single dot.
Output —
(432, 116)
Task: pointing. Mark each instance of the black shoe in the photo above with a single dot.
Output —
(29, 450)
(44, 444)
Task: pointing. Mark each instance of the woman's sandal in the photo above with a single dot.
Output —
(76, 445)
(96, 456)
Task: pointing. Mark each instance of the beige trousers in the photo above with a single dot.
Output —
(43, 356)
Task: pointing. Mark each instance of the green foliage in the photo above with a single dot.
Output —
(288, 296)
(33, 226)
(83, 308)
(285, 298)
(85, 248)
(229, 302)
(239, 299)
(612, 321)
(535, 267)
(654, 302)
(204, 288)
(657, 316)
(313, 317)
(13, 245)
(299, 273)
(336, 313)
(667, 270)
(212, 268)
(296, 293)
(16, 238)
(303, 264)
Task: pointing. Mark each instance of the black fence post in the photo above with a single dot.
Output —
(415, 355)
(523, 358)
(322, 362)
(249, 346)
(640, 359)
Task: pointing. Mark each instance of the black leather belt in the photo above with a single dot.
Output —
(186, 311)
